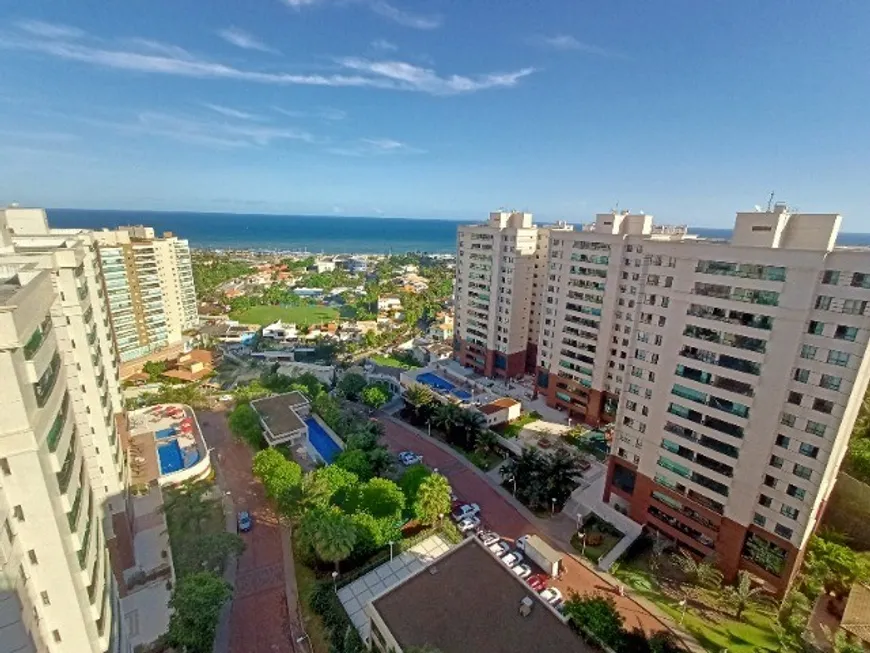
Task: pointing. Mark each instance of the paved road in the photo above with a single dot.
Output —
(502, 517)
(259, 621)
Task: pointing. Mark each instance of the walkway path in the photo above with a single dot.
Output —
(507, 516)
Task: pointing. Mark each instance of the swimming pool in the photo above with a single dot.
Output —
(320, 440)
(170, 456)
(435, 381)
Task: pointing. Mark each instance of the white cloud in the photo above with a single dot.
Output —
(384, 45)
(411, 77)
(229, 112)
(408, 19)
(161, 59)
(49, 30)
(566, 42)
(244, 40)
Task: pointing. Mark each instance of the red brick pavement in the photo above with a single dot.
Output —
(259, 620)
(502, 517)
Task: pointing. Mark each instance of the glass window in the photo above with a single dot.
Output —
(831, 277)
(839, 358)
(809, 352)
(846, 333)
(816, 327)
(823, 303)
(802, 376)
(830, 382)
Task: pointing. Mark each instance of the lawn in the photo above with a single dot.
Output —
(298, 315)
(391, 361)
(715, 631)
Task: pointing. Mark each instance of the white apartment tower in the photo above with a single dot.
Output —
(149, 281)
(732, 373)
(497, 291)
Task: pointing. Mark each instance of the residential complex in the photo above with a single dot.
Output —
(149, 282)
(732, 372)
(62, 466)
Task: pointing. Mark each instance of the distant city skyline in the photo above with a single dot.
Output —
(403, 108)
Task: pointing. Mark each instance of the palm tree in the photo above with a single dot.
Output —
(742, 595)
(334, 537)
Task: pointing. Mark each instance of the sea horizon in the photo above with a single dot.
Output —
(329, 234)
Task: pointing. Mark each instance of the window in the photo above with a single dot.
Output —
(796, 492)
(838, 358)
(795, 398)
(788, 511)
(815, 428)
(831, 277)
(782, 441)
(846, 333)
(31, 555)
(783, 531)
(45, 599)
(809, 450)
(4, 467)
(787, 419)
(803, 376)
(776, 461)
(759, 519)
(823, 303)
(765, 500)
(809, 352)
(816, 328)
(830, 382)
(823, 406)
(854, 307)
(770, 481)
(802, 472)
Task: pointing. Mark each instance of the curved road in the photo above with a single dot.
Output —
(507, 521)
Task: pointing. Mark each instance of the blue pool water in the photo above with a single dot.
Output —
(435, 381)
(165, 433)
(171, 459)
(320, 440)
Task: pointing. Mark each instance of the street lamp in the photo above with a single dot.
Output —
(335, 581)
(391, 550)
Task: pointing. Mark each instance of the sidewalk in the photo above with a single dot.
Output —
(559, 530)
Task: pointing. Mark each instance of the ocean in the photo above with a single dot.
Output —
(313, 233)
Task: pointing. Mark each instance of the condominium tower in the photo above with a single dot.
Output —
(730, 373)
(62, 467)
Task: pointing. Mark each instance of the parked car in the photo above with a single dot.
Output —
(538, 582)
(488, 537)
(499, 548)
(512, 558)
(244, 522)
(522, 570)
(468, 524)
(551, 595)
(408, 458)
(466, 510)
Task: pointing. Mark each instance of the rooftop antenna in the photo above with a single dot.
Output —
(770, 201)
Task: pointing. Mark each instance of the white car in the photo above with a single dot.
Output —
(468, 524)
(499, 548)
(512, 558)
(408, 458)
(522, 570)
(467, 510)
(551, 595)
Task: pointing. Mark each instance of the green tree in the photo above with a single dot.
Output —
(381, 498)
(433, 499)
(351, 385)
(334, 537)
(355, 461)
(598, 615)
(245, 425)
(411, 481)
(743, 595)
(196, 603)
(375, 396)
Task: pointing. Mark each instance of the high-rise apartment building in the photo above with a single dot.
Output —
(497, 290)
(61, 462)
(731, 373)
(149, 281)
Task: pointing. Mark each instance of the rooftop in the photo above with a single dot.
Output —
(278, 412)
(440, 606)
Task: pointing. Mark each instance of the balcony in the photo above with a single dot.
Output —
(42, 388)
(33, 345)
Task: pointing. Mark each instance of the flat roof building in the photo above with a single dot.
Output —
(467, 600)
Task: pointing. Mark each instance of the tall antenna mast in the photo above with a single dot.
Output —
(770, 201)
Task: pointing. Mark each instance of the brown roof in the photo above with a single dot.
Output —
(278, 414)
(856, 617)
(472, 603)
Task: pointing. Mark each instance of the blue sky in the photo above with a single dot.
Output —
(687, 109)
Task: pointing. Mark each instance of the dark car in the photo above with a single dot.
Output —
(244, 522)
